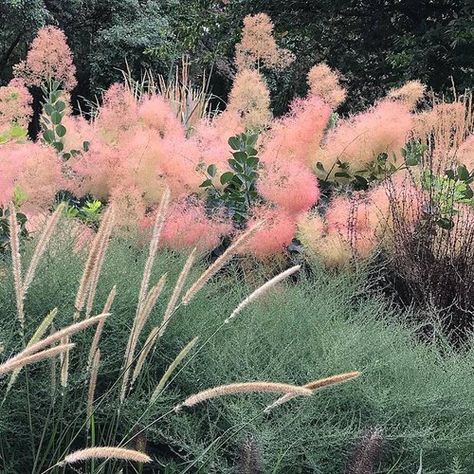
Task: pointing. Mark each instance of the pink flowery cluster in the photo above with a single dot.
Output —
(137, 148)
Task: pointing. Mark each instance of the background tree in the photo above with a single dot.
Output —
(375, 45)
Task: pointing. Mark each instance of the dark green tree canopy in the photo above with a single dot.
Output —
(374, 44)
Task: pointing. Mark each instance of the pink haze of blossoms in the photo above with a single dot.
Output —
(138, 148)
(15, 105)
(49, 58)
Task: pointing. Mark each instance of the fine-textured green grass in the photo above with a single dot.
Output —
(420, 396)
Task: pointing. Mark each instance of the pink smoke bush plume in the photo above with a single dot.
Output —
(187, 226)
(15, 104)
(49, 58)
(32, 169)
(275, 235)
(298, 135)
(324, 83)
(258, 46)
(360, 139)
(292, 186)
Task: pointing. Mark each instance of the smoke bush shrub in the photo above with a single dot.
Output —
(135, 146)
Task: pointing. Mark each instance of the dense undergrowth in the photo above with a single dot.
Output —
(417, 394)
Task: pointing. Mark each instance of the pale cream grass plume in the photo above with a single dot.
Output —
(143, 313)
(159, 330)
(245, 387)
(85, 282)
(35, 338)
(177, 290)
(316, 385)
(57, 336)
(64, 363)
(99, 261)
(53, 363)
(262, 290)
(220, 262)
(93, 382)
(157, 228)
(100, 325)
(179, 358)
(40, 248)
(15, 363)
(105, 452)
(16, 263)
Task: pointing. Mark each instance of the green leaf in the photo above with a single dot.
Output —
(342, 174)
(463, 173)
(445, 223)
(56, 118)
(60, 106)
(252, 140)
(211, 170)
(60, 130)
(234, 143)
(206, 183)
(468, 193)
(240, 156)
(319, 166)
(48, 136)
(18, 132)
(48, 109)
(226, 177)
(412, 160)
(59, 146)
(55, 95)
(252, 161)
(85, 146)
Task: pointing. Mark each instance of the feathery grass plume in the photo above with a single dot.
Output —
(143, 313)
(16, 263)
(64, 358)
(177, 290)
(99, 260)
(41, 247)
(35, 338)
(245, 387)
(17, 363)
(84, 285)
(100, 325)
(159, 221)
(159, 330)
(220, 262)
(57, 336)
(93, 382)
(105, 452)
(250, 457)
(179, 358)
(315, 385)
(262, 290)
(366, 453)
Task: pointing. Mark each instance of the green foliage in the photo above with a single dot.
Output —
(89, 212)
(447, 191)
(54, 110)
(236, 190)
(422, 395)
(14, 133)
(380, 168)
(374, 49)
